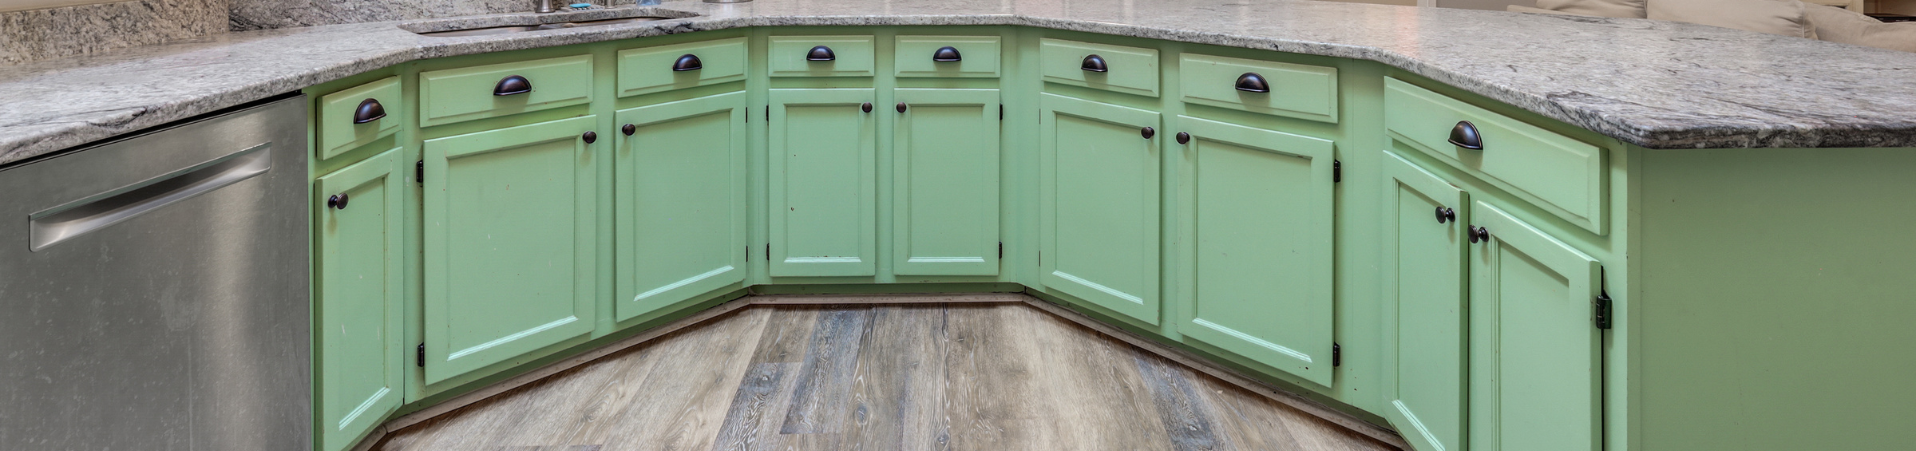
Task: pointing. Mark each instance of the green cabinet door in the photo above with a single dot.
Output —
(823, 197)
(1098, 204)
(680, 201)
(1535, 355)
(1263, 226)
(509, 222)
(1424, 293)
(359, 295)
(945, 183)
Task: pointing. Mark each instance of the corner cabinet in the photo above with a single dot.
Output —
(823, 200)
(680, 198)
(1099, 204)
(509, 225)
(358, 321)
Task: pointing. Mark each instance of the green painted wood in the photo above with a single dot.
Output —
(464, 94)
(945, 182)
(338, 133)
(1099, 204)
(823, 199)
(855, 56)
(358, 347)
(1264, 228)
(1425, 305)
(978, 56)
(1131, 70)
(647, 70)
(1563, 175)
(1296, 90)
(509, 243)
(1536, 359)
(680, 202)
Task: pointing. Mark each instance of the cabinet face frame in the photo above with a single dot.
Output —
(1062, 266)
(955, 177)
(790, 146)
(375, 192)
(1425, 305)
(649, 212)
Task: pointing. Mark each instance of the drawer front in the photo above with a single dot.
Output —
(918, 56)
(657, 69)
(1129, 70)
(464, 94)
(1562, 175)
(851, 56)
(337, 112)
(1293, 90)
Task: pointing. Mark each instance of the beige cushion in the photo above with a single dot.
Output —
(1784, 17)
(1849, 27)
(1600, 8)
(1526, 9)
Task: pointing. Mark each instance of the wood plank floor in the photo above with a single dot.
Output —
(880, 377)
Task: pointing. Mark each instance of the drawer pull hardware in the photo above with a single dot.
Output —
(629, 129)
(512, 85)
(1183, 138)
(1148, 132)
(1445, 214)
(369, 110)
(1479, 234)
(687, 63)
(820, 53)
(867, 107)
(1465, 135)
(337, 201)
(589, 137)
(1094, 63)
(946, 54)
(901, 107)
(1252, 82)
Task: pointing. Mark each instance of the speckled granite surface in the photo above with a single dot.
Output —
(40, 34)
(1655, 84)
(268, 14)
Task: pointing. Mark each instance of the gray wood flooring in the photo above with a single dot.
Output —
(880, 377)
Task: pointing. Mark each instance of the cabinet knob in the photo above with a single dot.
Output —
(337, 201)
(369, 110)
(512, 85)
(1479, 234)
(1445, 214)
(946, 54)
(1252, 82)
(1094, 63)
(867, 107)
(1465, 135)
(686, 63)
(901, 107)
(589, 137)
(820, 53)
(1148, 132)
(1183, 138)
(629, 129)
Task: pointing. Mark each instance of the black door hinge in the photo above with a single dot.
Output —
(1001, 111)
(748, 253)
(419, 171)
(1337, 355)
(1602, 310)
(768, 113)
(768, 252)
(1337, 171)
(1001, 250)
(422, 355)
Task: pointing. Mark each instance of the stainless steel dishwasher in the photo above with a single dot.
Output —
(154, 290)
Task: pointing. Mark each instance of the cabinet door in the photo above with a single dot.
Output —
(358, 299)
(509, 252)
(681, 202)
(1099, 204)
(824, 183)
(945, 183)
(1535, 355)
(1263, 205)
(1424, 306)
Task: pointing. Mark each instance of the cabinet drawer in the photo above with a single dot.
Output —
(1130, 70)
(918, 56)
(849, 56)
(1265, 87)
(342, 128)
(658, 69)
(464, 94)
(1561, 175)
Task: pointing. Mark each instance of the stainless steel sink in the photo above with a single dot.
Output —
(550, 26)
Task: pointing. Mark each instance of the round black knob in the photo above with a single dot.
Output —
(369, 110)
(512, 85)
(1148, 132)
(867, 107)
(1445, 214)
(901, 107)
(1183, 138)
(337, 201)
(687, 62)
(1252, 82)
(629, 129)
(1479, 234)
(1094, 63)
(820, 53)
(1465, 135)
(946, 54)
(589, 137)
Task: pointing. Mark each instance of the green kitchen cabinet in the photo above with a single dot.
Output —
(1099, 199)
(359, 326)
(823, 183)
(945, 182)
(1263, 206)
(1425, 297)
(680, 214)
(509, 221)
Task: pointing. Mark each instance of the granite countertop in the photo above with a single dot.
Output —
(1650, 83)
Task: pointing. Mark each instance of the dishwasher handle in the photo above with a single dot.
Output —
(65, 222)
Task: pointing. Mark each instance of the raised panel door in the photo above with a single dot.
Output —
(358, 335)
(823, 195)
(680, 202)
(1099, 202)
(1425, 311)
(945, 183)
(1536, 357)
